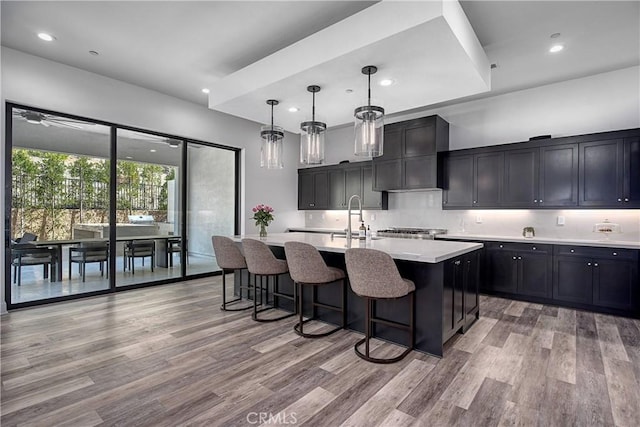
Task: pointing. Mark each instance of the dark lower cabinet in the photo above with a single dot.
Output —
(600, 277)
(460, 299)
(518, 268)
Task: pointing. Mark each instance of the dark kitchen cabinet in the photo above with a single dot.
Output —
(330, 187)
(461, 298)
(521, 178)
(488, 177)
(601, 277)
(313, 189)
(457, 174)
(409, 159)
(518, 269)
(610, 173)
(558, 176)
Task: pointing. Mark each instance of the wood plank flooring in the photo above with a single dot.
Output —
(167, 356)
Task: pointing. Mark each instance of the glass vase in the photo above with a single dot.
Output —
(263, 231)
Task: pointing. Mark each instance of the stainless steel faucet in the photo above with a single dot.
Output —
(348, 230)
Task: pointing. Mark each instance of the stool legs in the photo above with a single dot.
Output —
(370, 319)
(299, 327)
(223, 307)
(276, 294)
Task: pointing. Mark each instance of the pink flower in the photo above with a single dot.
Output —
(255, 210)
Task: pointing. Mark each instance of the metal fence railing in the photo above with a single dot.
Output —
(75, 193)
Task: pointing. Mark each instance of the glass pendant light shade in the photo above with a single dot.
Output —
(312, 136)
(271, 153)
(369, 124)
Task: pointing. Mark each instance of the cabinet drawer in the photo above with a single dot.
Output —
(519, 247)
(600, 253)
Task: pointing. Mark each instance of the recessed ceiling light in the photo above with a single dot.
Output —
(387, 82)
(555, 35)
(94, 53)
(293, 109)
(205, 90)
(349, 90)
(556, 48)
(153, 150)
(128, 157)
(46, 37)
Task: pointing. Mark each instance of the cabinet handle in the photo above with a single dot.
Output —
(535, 201)
(540, 201)
(572, 251)
(312, 204)
(595, 265)
(514, 257)
(501, 246)
(588, 263)
(457, 262)
(534, 248)
(615, 254)
(626, 200)
(475, 201)
(619, 200)
(519, 257)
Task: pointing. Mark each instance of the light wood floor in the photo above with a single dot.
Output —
(167, 356)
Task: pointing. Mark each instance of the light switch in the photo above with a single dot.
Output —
(560, 220)
(478, 219)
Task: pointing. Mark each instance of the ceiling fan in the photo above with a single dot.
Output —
(47, 120)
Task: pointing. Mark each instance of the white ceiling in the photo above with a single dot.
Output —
(180, 47)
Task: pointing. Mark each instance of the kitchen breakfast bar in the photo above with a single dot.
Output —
(446, 276)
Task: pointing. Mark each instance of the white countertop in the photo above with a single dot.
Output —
(549, 240)
(429, 251)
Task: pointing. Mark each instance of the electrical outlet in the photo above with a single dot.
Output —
(322, 216)
(478, 219)
(560, 220)
(373, 217)
(310, 216)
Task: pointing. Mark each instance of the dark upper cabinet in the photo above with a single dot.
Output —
(601, 172)
(457, 174)
(521, 178)
(409, 159)
(313, 189)
(488, 177)
(631, 181)
(610, 173)
(558, 176)
(330, 187)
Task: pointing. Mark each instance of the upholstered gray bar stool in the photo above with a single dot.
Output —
(374, 275)
(229, 259)
(261, 262)
(307, 267)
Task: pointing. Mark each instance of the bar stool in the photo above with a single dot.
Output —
(307, 267)
(261, 262)
(374, 275)
(229, 259)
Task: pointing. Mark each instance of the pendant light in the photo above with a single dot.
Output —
(271, 151)
(312, 136)
(369, 124)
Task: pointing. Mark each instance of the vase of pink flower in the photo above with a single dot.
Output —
(263, 215)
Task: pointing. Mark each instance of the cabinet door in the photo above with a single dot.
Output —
(601, 173)
(559, 176)
(501, 270)
(371, 199)
(420, 138)
(321, 190)
(387, 175)
(521, 178)
(306, 199)
(458, 181)
(353, 183)
(572, 279)
(488, 179)
(336, 189)
(535, 274)
(420, 172)
(471, 282)
(392, 146)
(631, 182)
(615, 283)
(453, 298)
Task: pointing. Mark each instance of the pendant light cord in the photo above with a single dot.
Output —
(313, 107)
(272, 117)
(369, 90)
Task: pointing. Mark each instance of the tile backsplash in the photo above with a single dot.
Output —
(424, 209)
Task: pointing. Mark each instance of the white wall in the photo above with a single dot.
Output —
(604, 102)
(38, 82)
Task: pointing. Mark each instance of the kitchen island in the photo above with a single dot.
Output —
(446, 275)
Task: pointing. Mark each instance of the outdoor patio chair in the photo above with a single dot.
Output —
(89, 252)
(138, 249)
(27, 254)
